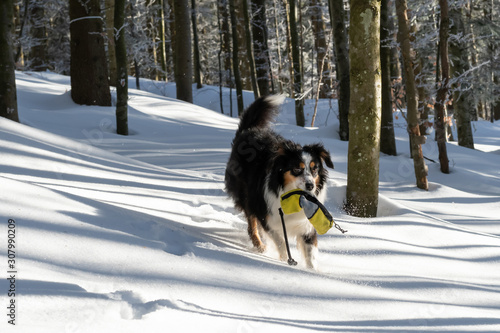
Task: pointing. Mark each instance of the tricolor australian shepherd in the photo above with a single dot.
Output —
(263, 165)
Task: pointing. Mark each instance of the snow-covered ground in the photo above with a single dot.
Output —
(128, 234)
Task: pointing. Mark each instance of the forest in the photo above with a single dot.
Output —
(436, 60)
(116, 124)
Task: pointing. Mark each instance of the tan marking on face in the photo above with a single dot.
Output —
(302, 165)
(288, 178)
(317, 180)
(312, 165)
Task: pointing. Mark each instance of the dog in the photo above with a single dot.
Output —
(262, 166)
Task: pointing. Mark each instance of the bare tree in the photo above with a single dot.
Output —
(387, 138)
(162, 31)
(250, 51)
(321, 46)
(110, 31)
(243, 51)
(196, 48)
(442, 93)
(236, 68)
(183, 58)
(8, 95)
(121, 67)
(297, 65)
(38, 51)
(416, 140)
(89, 70)
(365, 109)
(225, 40)
(460, 64)
(260, 47)
(23, 19)
(343, 66)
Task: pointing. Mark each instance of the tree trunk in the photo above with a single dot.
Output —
(89, 68)
(288, 47)
(395, 63)
(110, 31)
(196, 48)
(121, 66)
(219, 56)
(168, 13)
(365, 109)
(8, 95)
(423, 97)
(474, 53)
(323, 65)
(493, 57)
(461, 100)
(241, 28)
(162, 49)
(137, 68)
(18, 47)
(343, 66)
(225, 41)
(442, 92)
(184, 62)
(260, 47)
(173, 46)
(250, 52)
(297, 66)
(416, 140)
(488, 10)
(387, 138)
(152, 33)
(38, 51)
(236, 67)
(280, 82)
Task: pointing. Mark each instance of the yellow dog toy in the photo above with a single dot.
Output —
(296, 200)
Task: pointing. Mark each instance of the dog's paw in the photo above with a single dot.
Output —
(261, 248)
(312, 265)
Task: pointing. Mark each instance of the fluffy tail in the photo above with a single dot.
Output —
(260, 113)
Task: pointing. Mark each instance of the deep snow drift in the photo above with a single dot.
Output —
(127, 234)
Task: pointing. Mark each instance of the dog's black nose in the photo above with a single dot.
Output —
(309, 186)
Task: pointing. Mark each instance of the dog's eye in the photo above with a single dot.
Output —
(297, 171)
(314, 170)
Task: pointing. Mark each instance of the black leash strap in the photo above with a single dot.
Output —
(291, 262)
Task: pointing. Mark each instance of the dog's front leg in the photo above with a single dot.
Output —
(279, 241)
(308, 245)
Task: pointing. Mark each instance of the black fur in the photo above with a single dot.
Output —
(254, 150)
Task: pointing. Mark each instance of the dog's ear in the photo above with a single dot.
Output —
(317, 149)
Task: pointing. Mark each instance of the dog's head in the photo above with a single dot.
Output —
(300, 167)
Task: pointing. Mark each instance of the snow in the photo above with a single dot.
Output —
(120, 234)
